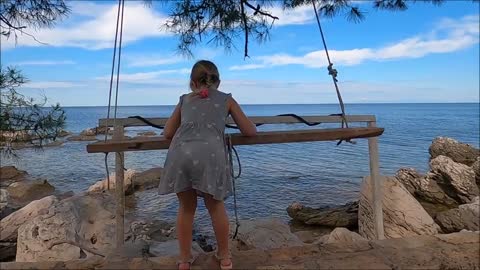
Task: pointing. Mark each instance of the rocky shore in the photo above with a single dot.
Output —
(431, 221)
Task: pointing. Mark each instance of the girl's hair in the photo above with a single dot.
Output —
(204, 73)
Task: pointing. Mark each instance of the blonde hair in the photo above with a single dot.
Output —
(204, 73)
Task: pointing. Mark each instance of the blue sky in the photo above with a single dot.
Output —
(425, 54)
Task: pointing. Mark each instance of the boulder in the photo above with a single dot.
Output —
(458, 152)
(148, 179)
(103, 185)
(12, 222)
(455, 179)
(88, 132)
(5, 207)
(423, 187)
(344, 237)
(81, 138)
(465, 217)
(476, 169)
(22, 193)
(96, 131)
(11, 172)
(402, 214)
(265, 234)
(77, 227)
(340, 216)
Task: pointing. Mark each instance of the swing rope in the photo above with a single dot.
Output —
(120, 11)
(332, 72)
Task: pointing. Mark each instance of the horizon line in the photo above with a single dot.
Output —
(271, 104)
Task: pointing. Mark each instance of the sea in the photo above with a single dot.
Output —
(273, 176)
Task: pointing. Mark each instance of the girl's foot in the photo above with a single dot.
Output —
(225, 262)
(183, 266)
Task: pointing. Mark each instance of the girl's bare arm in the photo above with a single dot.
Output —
(172, 123)
(246, 126)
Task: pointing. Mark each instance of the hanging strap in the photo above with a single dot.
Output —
(230, 148)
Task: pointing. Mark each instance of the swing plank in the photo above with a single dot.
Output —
(290, 136)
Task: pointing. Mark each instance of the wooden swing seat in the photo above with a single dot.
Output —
(119, 144)
(269, 137)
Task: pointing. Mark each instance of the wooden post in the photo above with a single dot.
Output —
(119, 192)
(376, 185)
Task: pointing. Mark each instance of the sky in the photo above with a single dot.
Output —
(427, 54)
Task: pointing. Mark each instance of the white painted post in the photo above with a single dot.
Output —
(377, 185)
(118, 134)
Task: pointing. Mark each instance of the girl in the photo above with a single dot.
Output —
(196, 162)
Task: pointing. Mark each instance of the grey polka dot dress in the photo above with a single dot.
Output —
(197, 158)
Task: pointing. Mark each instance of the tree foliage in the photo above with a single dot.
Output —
(17, 15)
(23, 120)
(223, 21)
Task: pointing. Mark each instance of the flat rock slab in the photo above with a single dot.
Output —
(452, 251)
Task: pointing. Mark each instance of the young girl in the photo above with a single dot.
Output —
(196, 163)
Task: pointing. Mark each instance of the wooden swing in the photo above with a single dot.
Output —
(120, 145)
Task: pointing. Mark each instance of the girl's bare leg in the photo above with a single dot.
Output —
(220, 223)
(186, 214)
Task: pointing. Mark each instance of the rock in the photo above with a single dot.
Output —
(455, 179)
(265, 234)
(148, 179)
(12, 222)
(79, 138)
(64, 133)
(7, 251)
(171, 248)
(424, 188)
(22, 193)
(6, 208)
(345, 238)
(403, 215)
(344, 235)
(96, 131)
(465, 217)
(11, 172)
(458, 152)
(88, 132)
(73, 228)
(476, 169)
(155, 230)
(146, 133)
(103, 184)
(341, 216)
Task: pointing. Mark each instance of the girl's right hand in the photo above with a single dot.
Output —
(246, 126)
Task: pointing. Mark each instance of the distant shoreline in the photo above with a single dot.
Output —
(294, 104)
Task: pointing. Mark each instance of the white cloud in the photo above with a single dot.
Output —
(44, 63)
(299, 15)
(98, 30)
(146, 77)
(52, 84)
(448, 36)
(151, 60)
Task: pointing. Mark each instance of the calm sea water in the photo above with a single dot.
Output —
(274, 176)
